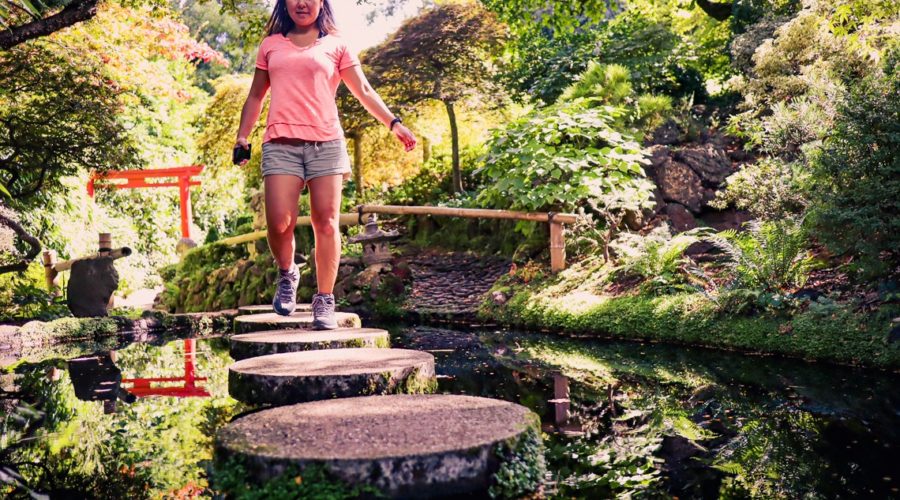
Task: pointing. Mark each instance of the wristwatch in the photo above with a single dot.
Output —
(395, 120)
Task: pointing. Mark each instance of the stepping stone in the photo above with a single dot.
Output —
(297, 320)
(406, 446)
(250, 345)
(267, 308)
(298, 377)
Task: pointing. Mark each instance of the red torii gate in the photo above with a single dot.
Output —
(138, 179)
(143, 386)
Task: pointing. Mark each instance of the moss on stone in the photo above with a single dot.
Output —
(522, 464)
(841, 336)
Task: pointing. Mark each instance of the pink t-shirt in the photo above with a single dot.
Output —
(304, 83)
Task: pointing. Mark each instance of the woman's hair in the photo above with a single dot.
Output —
(281, 22)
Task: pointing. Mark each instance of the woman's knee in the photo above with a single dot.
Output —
(325, 225)
(281, 224)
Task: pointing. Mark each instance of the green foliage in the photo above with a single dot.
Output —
(570, 154)
(768, 256)
(770, 189)
(522, 465)
(658, 260)
(312, 482)
(694, 318)
(25, 296)
(856, 178)
(57, 117)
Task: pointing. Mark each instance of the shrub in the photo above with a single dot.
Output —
(768, 256)
(856, 177)
(658, 259)
(770, 189)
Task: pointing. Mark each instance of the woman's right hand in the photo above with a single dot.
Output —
(242, 143)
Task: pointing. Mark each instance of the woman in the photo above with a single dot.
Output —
(303, 59)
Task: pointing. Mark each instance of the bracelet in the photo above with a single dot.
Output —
(394, 121)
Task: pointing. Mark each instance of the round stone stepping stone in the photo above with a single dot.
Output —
(267, 308)
(298, 377)
(406, 446)
(297, 320)
(250, 345)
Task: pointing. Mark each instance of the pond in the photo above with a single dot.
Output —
(645, 420)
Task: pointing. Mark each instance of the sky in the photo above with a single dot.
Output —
(351, 19)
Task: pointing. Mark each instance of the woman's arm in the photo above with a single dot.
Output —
(359, 86)
(252, 106)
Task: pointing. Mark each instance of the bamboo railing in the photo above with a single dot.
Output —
(556, 221)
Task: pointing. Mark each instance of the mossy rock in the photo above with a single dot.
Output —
(405, 446)
(297, 377)
(250, 345)
(297, 320)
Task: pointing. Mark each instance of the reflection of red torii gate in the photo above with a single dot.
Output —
(138, 179)
(142, 386)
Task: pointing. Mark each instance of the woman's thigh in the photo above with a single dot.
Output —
(282, 198)
(325, 196)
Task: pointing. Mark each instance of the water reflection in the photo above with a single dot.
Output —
(97, 378)
(620, 419)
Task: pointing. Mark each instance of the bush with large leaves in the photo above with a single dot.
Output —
(569, 155)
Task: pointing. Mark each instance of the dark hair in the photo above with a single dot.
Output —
(281, 22)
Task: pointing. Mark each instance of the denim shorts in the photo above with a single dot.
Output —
(306, 159)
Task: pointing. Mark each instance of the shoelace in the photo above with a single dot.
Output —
(285, 288)
(321, 306)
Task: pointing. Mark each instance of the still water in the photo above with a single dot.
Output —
(620, 419)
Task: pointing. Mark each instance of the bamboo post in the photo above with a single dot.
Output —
(557, 246)
(104, 249)
(50, 274)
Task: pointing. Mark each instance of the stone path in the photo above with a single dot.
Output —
(297, 377)
(406, 446)
(298, 319)
(267, 308)
(249, 345)
(397, 438)
(452, 284)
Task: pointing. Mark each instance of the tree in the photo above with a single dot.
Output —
(57, 116)
(37, 25)
(447, 53)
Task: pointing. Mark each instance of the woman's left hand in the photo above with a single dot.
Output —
(405, 136)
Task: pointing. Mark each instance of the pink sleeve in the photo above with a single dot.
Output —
(262, 55)
(348, 57)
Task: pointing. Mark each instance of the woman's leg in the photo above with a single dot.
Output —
(325, 206)
(282, 194)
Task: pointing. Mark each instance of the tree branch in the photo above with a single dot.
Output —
(73, 13)
(27, 238)
(717, 11)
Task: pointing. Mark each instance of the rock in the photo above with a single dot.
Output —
(726, 219)
(355, 297)
(367, 275)
(297, 377)
(91, 284)
(667, 133)
(894, 335)
(681, 218)
(676, 449)
(251, 345)
(422, 446)
(298, 319)
(344, 271)
(633, 220)
(680, 184)
(708, 161)
(499, 298)
(659, 156)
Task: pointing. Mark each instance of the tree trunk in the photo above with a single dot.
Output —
(75, 12)
(27, 238)
(454, 134)
(426, 149)
(357, 163)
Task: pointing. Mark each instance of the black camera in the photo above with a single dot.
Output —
(240, 154)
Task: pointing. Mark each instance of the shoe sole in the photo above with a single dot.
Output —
(322, 326)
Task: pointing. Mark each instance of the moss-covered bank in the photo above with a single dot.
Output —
(837, 334)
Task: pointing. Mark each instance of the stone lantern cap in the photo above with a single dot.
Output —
(373, 234)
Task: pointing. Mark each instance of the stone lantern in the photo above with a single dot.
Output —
(375, 242)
